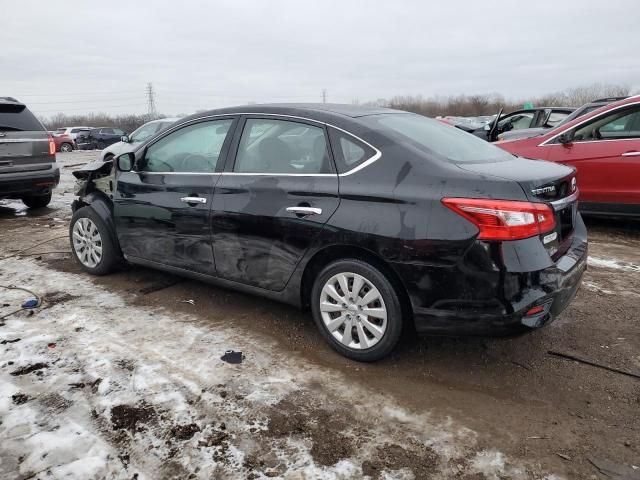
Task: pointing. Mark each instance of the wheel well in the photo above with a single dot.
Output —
(338, 252)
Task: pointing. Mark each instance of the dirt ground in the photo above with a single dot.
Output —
(439, 407)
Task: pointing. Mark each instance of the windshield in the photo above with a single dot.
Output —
(431, 136)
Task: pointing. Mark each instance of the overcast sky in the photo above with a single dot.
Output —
(87, 56)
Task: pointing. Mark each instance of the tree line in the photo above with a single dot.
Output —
(455, 105)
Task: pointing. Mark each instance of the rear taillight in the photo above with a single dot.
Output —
(52, 146)
(504, 219)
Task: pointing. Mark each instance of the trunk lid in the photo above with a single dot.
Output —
(545, 182)
(24, 143)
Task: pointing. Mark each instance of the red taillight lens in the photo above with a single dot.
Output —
(504, 219)
(52, 146)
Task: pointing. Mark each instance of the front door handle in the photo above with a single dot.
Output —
(631, 154)
(193, 200)
(304, 211)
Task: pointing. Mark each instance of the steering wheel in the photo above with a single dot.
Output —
(199, 160)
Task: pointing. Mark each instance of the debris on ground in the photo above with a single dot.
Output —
(31, 303)
(190, 301)
(231, 356)
(29, 369)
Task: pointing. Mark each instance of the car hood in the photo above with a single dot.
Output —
(533, 176)
(119, 148)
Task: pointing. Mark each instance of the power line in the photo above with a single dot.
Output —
(86, 109)
(84, 101)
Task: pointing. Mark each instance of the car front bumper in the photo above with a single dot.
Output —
(493, 296)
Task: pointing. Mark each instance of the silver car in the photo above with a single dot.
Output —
(129, 143)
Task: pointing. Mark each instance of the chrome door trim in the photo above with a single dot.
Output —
(364, 164)
(305, 210)
(193, 200)
(631, 154)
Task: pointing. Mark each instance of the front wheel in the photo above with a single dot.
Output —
(357, 310)
(91, 243)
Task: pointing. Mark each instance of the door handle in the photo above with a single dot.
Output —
(631, 154)
(304, 211)
(193, 200)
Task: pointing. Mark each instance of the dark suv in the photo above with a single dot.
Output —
(375, 219)
(104, 136)
(28, 169)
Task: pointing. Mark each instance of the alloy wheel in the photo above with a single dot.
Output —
(65, 147)
(87, 242)
(353, 310)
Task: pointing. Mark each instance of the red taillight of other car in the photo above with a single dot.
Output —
(504, 219)
(52, 146)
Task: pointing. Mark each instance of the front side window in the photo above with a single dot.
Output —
(282, 147)
(433, 137)
(516, 122)
(621, 124)
(195, 149)
(555, 118)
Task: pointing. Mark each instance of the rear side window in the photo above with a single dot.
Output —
(107, 131)
(18, 118)
(282, 147)
(433, 137)
(348, 151)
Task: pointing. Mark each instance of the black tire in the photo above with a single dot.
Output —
(100, 145)
(394, 320)
(37, 201)
(110, 258)
(66, 147)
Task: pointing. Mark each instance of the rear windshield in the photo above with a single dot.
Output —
(431, 136)
(18, 118)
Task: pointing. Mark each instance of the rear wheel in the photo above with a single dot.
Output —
(100, 145)
(66, 147)
(37, 201)
(91, 243)
(357, 310)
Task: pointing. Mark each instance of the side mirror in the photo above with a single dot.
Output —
(566, 138)
(124, 139)
(125, 162)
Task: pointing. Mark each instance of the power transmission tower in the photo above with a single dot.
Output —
(324, 95)
(151, 102)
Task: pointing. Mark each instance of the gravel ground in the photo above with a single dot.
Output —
(117, 377)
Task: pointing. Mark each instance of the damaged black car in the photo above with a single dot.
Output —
(376, 220)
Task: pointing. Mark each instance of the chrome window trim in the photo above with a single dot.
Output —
(546, 142)
(364, 164)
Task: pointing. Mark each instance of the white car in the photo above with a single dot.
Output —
(71, 131)
(143, 133)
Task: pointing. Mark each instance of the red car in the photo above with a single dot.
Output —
(604, 147)
(64, 142)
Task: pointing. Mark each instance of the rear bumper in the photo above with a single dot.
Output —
(492, 297)
(39, 182)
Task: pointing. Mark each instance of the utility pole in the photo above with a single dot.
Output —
(151, 102)
(324, 95)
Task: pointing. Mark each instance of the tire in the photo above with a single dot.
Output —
(66, 147)
(100, 145)
(37, 201)
(99, 255)
(333, 319)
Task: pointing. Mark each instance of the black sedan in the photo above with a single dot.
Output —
(377, 220)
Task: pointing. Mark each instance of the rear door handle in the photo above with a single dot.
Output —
(631, 154)
(193, 200)
(304, 211)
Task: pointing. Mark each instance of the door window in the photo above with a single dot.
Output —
(282, 147)
(195, 149)
(349, 152)
(145, 132)
(107, 131)
(618, 125)
(516, 122)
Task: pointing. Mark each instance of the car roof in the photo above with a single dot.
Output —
(313, 111)
(10, 100)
